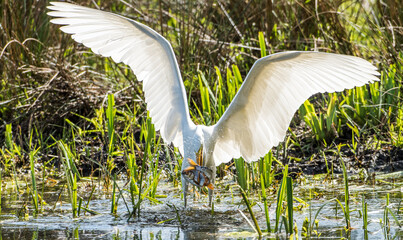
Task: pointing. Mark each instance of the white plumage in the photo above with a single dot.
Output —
(259, 115)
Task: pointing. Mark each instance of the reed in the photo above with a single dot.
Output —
(385, 220)
(324, 126)
(281, 194)
(1, 188)
(114, 205)
(242, 173)
(52, 91)
(266, 209)
(290, 206)
(262, 45)
(364, 217)
(71, 173)
(266, 169)
(247, 203)
(139, 187)
(110, 117)
(89, 199)
(346, 208)
(34, 191)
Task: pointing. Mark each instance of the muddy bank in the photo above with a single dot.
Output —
(384, 160)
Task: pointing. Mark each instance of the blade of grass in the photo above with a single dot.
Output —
(290, 207)
(245, 199)
(266, 210)
(34, 188)
(346, 209)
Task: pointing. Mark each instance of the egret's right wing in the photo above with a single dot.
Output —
(149, 55)
(259, 115)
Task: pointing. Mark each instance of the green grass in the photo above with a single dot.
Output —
(364, 217)
(325, 126)
(266, 209)
(71, 174)
(58, 98)
(110, 116)
(34, 191)
(346, 208)
(248, 205)
(1, 189)
(290, 208)
(281, 196)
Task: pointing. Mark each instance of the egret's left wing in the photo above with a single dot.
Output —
(260, 113)
(149, 55)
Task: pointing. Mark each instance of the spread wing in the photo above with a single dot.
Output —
(260, 113)
(149, 55)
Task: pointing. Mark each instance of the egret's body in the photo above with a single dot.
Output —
(257, 118)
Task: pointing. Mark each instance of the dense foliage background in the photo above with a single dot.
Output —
(55, 89)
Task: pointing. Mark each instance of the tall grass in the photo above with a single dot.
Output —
(55, 93)
(110, 116)
(325, 126)
(266, 210)
(34, 191)
(231, 48)
(247, 203)
(71, 174)
(1, 189)
(346, 208)
(364, 217)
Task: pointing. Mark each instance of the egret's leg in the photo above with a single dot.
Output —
(184, 190)
(210, 196)
(212, 180)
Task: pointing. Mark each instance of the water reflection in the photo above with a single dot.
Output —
(155, 232)
(160, 221)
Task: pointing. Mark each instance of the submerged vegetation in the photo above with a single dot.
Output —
(72, 117)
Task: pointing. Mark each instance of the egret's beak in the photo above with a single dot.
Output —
(198, 175)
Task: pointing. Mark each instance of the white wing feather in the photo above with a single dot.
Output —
(149, 55)
(260, 113)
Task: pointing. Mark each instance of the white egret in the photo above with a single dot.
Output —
(259, 115)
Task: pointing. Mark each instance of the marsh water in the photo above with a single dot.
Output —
(169, 220)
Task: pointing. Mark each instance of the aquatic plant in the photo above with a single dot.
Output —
(346, 207)
(34, 191)
(114, 203)
(266, 169)
(71, 174)
(385, 221)
(250, 211)
(110, 116)
(242, 173)
(325, 126)
(1, 188)
(364, 217)
(50, 90)
(290, 207)
(266, 209)
(281, 194)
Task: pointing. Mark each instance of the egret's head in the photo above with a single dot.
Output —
(196, 173)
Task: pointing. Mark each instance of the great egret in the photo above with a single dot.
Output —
(259, 115)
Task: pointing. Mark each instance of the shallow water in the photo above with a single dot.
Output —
(160, 221)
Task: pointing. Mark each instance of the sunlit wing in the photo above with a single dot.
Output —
(148, 54)
(276, 86)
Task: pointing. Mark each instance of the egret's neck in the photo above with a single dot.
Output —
(198, 137)
(208, 145)
(193, 140)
